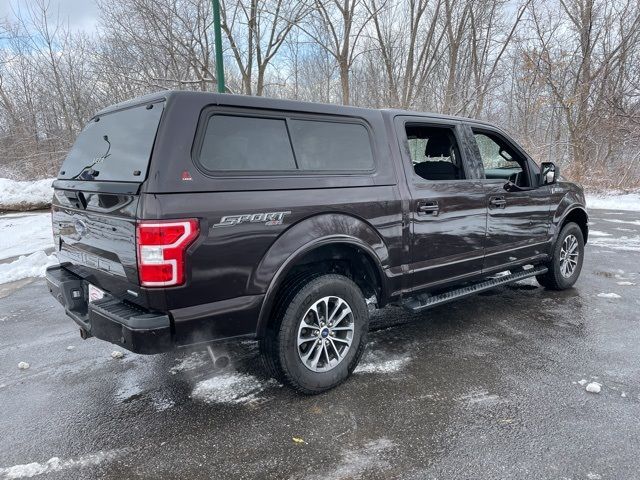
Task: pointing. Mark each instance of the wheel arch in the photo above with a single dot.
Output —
(322, 241)
(577, 215)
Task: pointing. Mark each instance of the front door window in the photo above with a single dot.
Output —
(501, 161)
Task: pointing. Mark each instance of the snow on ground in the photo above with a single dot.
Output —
(617, 220)
(193, 361)
(26, 236)
(359, 462)
(624, 243)
(614, 201)
(29, 195)
(374, 364)
(479, 397)
(594, 387)
(230, 388)
(608, 295)
(26, 266)
(22, 234)
(56, 464)
(597, 233)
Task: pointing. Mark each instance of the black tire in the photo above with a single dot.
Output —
(554, 279)
(279, 346)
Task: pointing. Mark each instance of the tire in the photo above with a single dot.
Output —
(313, 300)
(558, 278)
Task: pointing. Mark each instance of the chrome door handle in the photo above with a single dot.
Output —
(429, 207)
(497, 202)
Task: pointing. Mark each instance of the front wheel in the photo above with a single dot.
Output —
(317, 334)
(566, 262)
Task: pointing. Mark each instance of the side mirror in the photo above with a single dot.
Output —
(549, 173)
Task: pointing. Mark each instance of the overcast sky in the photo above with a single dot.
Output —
(81, 14)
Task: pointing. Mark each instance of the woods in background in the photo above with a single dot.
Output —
(562, 76)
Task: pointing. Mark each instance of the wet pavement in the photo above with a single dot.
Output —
(489, 387)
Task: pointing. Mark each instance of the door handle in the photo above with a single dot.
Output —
(429, 207)
(497, 202)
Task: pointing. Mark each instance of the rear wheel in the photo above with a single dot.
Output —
(566, 262)
(317, 334)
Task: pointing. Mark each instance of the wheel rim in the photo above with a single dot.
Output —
(569, 255)
(325, 334)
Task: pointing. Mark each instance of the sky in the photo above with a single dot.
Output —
(81, 14)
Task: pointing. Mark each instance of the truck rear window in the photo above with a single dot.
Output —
(115, 146)
(243, 143)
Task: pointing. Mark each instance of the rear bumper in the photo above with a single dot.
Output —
(110, 319)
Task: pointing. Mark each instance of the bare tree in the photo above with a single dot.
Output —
(256, 32)
(583, 57)
(409, 55)
(337, 26)
(562, 75)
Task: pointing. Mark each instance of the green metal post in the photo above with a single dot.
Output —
(218, 44)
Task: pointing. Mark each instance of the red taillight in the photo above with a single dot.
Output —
(161, 250)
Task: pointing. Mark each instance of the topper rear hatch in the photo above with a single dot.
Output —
(95, 217)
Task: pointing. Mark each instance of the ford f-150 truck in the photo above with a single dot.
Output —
(185, 218)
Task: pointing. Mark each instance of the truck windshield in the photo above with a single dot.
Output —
(115, 146)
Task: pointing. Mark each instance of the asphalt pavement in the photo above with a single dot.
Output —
(492, 386)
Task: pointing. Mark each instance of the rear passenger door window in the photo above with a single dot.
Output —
(434, 152)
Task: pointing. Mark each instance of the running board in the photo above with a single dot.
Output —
(424, 301)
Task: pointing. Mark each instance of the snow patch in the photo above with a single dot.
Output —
(613, 201)
(26, 266)
(161, 403)
(360, 462)
(583, 382)
(479, 397)
(230, 388)
(609, 295)
(55, 464)
(192, 361)
(24, 234)
(598, 233)
(617, 220)
(624, 283)
(629, 244)
(377, 365)
(23, 365)
(593, 387)
(22, 196)
(117, 354)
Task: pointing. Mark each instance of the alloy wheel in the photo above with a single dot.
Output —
(325, 334)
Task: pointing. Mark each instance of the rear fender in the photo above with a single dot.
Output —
(304, 237)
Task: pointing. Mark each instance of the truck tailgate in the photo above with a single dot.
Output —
(95, 238)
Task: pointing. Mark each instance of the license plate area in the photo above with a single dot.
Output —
(95, 293)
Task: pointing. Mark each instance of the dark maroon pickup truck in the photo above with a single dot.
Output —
(183, 218)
